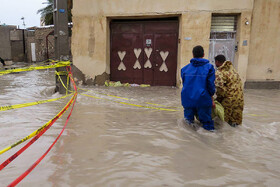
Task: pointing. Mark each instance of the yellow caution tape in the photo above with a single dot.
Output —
(161, 105)
(45, 62)
(166, 109)
(63, 73)
(11, 107)
(256, 115)
(57, 65)
(40, 129)
(93, 96)
(115, 96)
(129, 99)
(106, 94)
(67, 84)
(155, 104)
(83, 89)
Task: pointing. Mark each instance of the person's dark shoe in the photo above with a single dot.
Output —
(234, 124)
(192, 124)
(209, 128)
(188, 121)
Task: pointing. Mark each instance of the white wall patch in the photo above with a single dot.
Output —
(148, 52)
(137, 53)
(164, 55)
(121, 55)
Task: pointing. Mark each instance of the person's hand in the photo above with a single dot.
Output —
(213, 104)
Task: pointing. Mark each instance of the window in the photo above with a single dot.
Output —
(223, 27)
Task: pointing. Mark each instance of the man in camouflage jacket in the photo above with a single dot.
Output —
(229, 90)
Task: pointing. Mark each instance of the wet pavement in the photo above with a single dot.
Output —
(109, 142)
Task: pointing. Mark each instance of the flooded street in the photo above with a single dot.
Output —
(109, 142)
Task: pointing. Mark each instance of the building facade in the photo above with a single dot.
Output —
(26, 45)
(12, 45)
(142, 41)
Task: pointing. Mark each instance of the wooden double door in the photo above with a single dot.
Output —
(144, 52)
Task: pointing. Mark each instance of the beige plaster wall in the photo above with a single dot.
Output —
(243, 39)
(194, 30)
(121, 7)
(264, 59)
(90, 39)
(89, 45)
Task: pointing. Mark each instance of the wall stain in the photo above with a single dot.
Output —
(100, 21)
(91, 41)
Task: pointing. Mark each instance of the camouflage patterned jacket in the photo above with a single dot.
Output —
(230, 92)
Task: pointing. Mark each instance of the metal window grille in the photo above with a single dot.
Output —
(223, 27)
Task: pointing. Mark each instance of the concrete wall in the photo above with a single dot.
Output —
(5, 44)
(264, 59)
(17, 45)
(90, 39)
(12, 44)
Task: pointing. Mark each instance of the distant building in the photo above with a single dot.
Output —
(40, 43)
(143, 41)
(12, 45)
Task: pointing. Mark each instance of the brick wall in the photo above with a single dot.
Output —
(38, 36)
(41, 45)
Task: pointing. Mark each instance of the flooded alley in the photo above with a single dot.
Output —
(134, 136)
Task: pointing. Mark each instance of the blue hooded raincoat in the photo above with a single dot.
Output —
(198, 83)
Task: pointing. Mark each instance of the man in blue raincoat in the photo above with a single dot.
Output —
(198, 88)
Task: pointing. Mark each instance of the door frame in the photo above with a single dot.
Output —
(176, 18)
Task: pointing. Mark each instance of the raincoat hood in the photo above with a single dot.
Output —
(227, 65)
(199, 61)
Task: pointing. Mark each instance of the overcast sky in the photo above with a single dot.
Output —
(11, 12)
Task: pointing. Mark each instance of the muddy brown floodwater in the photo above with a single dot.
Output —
(110, 143)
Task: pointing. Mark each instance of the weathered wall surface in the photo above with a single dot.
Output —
(89, 45)
(198, 31)
(12, 43)
(121, 7)
(29, 38)
(264, 60)
(38, 35)
(243, 39)
(5, 43)
(90, 39)
(17, 45)
(41, 46)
